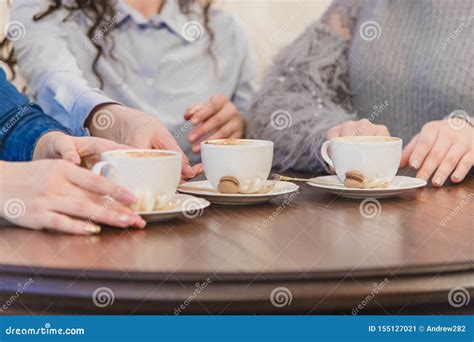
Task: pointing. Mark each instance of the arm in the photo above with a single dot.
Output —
(51, 70)
(305, 92)
(22, 123)
(221, 117)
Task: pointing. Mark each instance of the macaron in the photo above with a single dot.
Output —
(228, 185)
(354, 179)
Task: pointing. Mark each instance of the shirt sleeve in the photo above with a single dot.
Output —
(51, 70)
(22, 123)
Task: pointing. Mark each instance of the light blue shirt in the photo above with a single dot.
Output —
(161, 66)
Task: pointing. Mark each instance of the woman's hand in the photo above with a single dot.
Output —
(77, 150)
(440, 150)
(135, 128)
(218, 118)
(360, 127)
(55, 194)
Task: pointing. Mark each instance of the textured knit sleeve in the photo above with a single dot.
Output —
(305, 91)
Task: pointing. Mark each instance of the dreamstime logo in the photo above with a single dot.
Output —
(102, 297)
(192, 31)
(183, 128)
(458, 296)
(99, 34)
(286, 202)
(370, 207)
(14, 31)
(457, 209)
(282, 29)
(377, 287)
(22, 110)
(14, 208)
(280, 297)
(21, 288)
(192, 208)
(281, 119)
(103, 120)
(370, 30)
(464, 24)
(197, 291)
(458, 119)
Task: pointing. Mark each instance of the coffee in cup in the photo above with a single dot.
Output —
(151, 175)
(246, 161)
(371, 160)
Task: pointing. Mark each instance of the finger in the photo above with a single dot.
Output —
(115, 206)
(90, 149)
(65, 224)
(363, 127)
(81, 206)
(209, 108)
(334, 132)
(381, 130)
(230, 129)
(348, 129)
(407, 151)
(426, 140)
(168, 142)
(106, 202)
(97, 146)
(65, 147)
(452, 158)
(98, 185)
(434, 158)
(214, 122)
(198, 168)
(462, 169)
(194, 113)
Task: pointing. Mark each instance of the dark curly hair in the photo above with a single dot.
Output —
(100, 12)
(7, 54)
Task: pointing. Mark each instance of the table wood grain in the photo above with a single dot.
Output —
(324, 250)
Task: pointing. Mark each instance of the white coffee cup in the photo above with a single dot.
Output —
(151, 175)
(377, 158)
(250, 161)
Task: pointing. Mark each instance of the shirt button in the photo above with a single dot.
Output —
(150, 82)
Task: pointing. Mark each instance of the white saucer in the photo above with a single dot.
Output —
(279, 188)
(181, 205)
(399, 185)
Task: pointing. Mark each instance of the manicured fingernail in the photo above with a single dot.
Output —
(437, 181)
(92, 229)
(415, 164)
(455, 178)
(141, 223)
(124, 218)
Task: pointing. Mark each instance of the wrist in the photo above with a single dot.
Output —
(104, 122)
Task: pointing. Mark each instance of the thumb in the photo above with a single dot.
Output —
(65, 147)
(167, 142)
(407, 151)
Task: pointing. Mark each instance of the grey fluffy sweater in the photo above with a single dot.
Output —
(400, 63)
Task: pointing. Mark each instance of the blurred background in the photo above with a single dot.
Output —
(271, 23)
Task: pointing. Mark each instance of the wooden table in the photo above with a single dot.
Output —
(316, 249)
